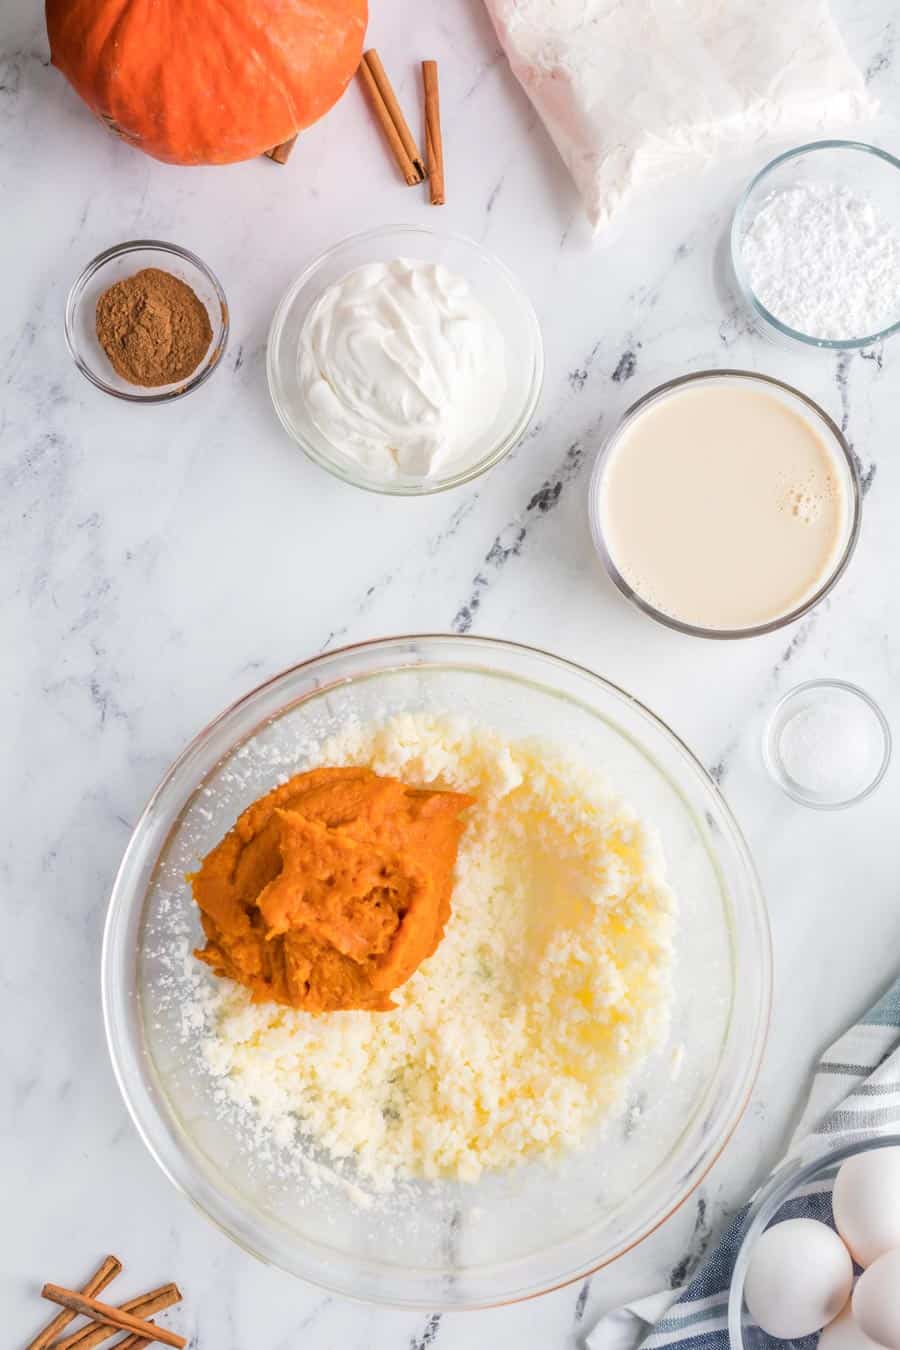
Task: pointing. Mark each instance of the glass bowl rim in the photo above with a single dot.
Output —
(736, 235)
(425, 487)
(738, 1095)
(210, 362)
(788, 1177)
(669, 621)
(782, 780)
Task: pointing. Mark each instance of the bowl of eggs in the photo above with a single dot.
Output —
(819, 1260)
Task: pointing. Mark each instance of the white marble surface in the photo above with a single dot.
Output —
(158, 562)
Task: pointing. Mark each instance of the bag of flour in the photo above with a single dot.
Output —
(634, 92)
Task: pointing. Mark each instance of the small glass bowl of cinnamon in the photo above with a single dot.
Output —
(118, 264)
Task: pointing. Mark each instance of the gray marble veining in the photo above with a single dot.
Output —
(156, 562)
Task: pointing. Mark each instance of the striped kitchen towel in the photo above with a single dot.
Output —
(855, 1095)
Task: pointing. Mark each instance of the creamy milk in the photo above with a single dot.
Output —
(724, 505)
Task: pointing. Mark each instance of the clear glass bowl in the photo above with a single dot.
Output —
(805, 408)
(508, 1236)
(798, 1189)
(491, 282)
(115, 264)
(873, 724)
(868, 171)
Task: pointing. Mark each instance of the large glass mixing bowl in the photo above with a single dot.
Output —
(508, 1236)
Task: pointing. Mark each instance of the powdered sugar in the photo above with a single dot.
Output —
(824, 261)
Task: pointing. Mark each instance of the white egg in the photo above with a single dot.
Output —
(799, 1278)
(876, 1300)
(866, 1204)
(845, 1333)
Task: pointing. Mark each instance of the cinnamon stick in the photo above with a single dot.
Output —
(144, 1305)
(434, 142)
(281, 153)
(112, 1317)
(132, 1342)
(105, 1272)
(391, 119)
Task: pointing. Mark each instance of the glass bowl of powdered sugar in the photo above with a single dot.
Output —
(815, 245)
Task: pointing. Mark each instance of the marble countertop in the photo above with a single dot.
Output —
(158, 562)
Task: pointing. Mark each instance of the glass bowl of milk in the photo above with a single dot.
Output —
(726, 504)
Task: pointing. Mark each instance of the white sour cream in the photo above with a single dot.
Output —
(402, 369)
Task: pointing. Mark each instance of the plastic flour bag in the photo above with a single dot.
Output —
(634, 92)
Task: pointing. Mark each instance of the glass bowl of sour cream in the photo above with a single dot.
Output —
(405, 361)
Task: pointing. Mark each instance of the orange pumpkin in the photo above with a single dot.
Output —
(207, 81)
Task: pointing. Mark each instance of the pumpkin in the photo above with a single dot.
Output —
(207, 81)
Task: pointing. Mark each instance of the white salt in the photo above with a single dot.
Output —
(832, 748)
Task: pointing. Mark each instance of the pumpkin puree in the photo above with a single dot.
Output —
(331, 890)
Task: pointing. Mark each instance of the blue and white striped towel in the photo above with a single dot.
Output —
(855, 1095)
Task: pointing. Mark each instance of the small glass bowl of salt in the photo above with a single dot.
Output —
(827, 744)
(815, 246)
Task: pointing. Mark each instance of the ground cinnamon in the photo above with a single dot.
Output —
(153, 327)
